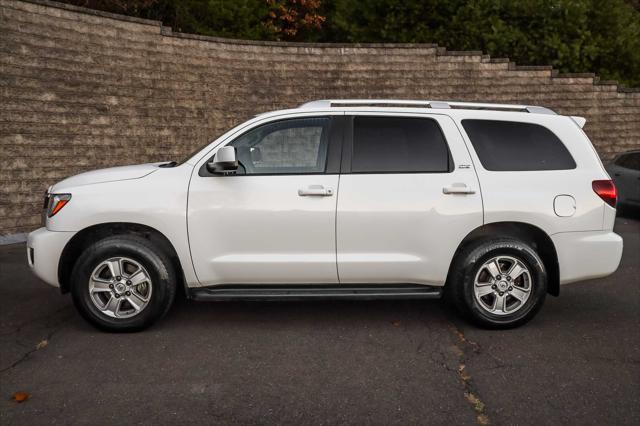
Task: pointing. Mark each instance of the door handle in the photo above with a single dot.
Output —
(457, 188)
(315, 190)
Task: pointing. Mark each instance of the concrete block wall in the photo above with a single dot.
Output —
(82, 89)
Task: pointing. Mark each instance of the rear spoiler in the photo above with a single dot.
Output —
(580, 121)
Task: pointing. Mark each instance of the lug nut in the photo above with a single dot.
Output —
(510, 288)
(128, 282)
(493, 287)
(110, 285)
(117, 296)
(498, 277)
(501, 293)
(118, 278)
(128, 293)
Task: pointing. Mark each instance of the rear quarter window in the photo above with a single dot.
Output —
(517, 146)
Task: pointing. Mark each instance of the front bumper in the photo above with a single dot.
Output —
(44, 249)
(587, 255)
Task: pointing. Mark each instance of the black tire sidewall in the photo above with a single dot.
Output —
(139, 250)
(513, 248)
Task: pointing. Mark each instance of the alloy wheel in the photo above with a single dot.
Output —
(502, 285)
(120, 287)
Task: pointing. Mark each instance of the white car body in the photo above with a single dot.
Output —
(374, 228)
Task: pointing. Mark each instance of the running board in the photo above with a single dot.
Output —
(306, 292)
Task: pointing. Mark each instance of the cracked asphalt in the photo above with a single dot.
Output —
(384, 362)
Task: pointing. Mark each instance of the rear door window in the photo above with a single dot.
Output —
(399, 145)
(516, 146)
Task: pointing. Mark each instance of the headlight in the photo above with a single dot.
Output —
(56, 203)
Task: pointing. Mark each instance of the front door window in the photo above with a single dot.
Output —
(297, 146)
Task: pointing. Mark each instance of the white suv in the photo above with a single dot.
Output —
(493, 206)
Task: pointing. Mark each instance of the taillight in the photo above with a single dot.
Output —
(606, 190)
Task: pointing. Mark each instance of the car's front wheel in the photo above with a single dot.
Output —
(498, 283)
(123, 283)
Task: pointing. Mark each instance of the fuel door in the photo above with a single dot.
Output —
(564, 205)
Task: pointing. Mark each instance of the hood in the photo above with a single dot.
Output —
(107, 175)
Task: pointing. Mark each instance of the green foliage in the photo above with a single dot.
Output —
(572, 35)
(223, 18)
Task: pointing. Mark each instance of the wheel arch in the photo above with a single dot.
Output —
(91, 234)
(529, 233)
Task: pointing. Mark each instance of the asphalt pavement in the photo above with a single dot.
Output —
(382, 362)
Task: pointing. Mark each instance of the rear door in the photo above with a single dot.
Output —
(408, 196)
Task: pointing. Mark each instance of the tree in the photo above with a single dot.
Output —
(571, 35)
(127, 7)
(293, 19)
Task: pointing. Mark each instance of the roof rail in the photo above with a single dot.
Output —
(328, 103)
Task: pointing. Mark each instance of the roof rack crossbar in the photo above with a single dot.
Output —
(328, 103)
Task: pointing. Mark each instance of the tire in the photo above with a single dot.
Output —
(504, 303)
(127, 307)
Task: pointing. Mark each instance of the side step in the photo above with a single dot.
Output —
(315, 292)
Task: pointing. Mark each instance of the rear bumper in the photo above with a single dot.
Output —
(587, 255)
(44, 249)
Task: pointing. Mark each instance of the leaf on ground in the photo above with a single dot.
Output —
(20, 397)
(483, 420)
(396, 323)
(464, 375)
(42, 344)
(475, 401)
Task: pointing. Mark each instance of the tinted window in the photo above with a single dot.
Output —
(629, 161)
(285, 147)
(512, 146)
(398, 144)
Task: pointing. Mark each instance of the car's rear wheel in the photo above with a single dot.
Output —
(498, 283)
(123, 283)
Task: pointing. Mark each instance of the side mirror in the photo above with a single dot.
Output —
(224, 161)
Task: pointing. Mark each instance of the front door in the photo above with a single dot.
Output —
(273, 222)
(408, 197)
